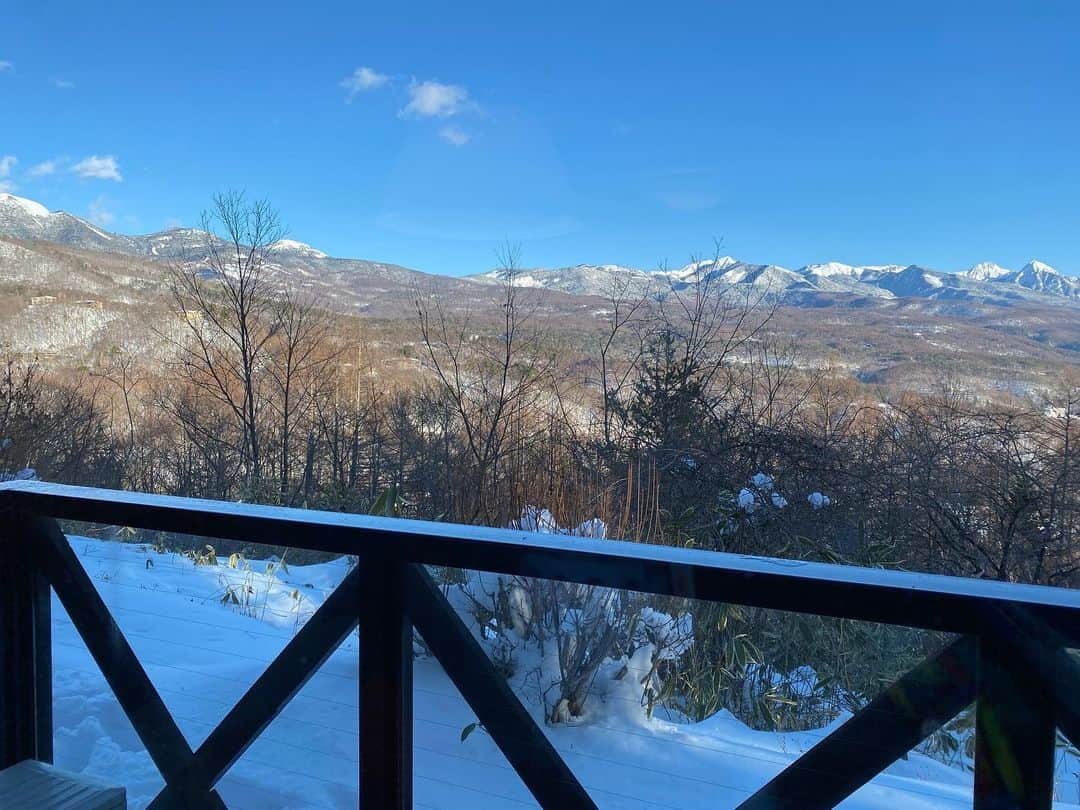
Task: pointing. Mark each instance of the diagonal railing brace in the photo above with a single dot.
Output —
(283, 678)
(135, 692)
(888, 727)
(498, 709)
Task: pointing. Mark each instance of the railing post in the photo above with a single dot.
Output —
(25, 647)
(1015, 734)
(386, 720)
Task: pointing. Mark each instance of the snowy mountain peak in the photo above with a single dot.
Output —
(1037, 267)
(703, 266)
(832, 269)
(987, 281)
(607, 268)
(299, 248)
(27, 207)
(987, 271)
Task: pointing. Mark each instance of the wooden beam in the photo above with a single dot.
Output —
(893, 597)
(1043, 657)
(498, 709)
(1064, 684)
(877, 735)
(1015, 734)
(386, 700)
(25, 647)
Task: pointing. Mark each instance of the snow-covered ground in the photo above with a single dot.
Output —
(202, 651)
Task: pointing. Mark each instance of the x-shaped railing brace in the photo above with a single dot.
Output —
(190, 776)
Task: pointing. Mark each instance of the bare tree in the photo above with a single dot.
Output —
(625, 304)
(126, 374)
(299, 361)
(491, 380)
(225, 303)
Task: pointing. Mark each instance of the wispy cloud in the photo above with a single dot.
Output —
(63, 84)
(689, 201)
(431, 99)
(455, 135)
(6, 66)
(98, 167)
(100, 214)
(362, 80)
(7, 163)
(45, 168)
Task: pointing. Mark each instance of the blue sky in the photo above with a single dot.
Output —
(941, 133)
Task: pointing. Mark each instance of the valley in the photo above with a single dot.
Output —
(74, 292)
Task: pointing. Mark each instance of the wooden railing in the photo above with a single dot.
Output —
(1011, 658)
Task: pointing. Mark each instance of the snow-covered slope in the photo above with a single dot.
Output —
(27, 219)
(202, 650)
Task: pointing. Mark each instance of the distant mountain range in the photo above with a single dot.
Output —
(816, 284)
(812, 285)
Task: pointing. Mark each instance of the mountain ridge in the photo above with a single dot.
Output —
(986, 282)
(810, 285)
(28, 219)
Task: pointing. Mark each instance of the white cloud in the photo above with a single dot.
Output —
(6, 185)
(6, 67)
(43, 169)
(98, 168)
(362, 80)
(454, 135)
(63, 84)
(101, 215)
(430, 99)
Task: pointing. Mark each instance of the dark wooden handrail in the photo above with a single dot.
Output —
(927, 601)
(1013, 661)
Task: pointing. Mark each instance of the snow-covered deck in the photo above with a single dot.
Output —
(125, 609)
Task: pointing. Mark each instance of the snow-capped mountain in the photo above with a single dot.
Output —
(26, 219)
(1042, 278)
(811, 285)
(987, 271)
(351, 284)
(985, 282)
(291, 246)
